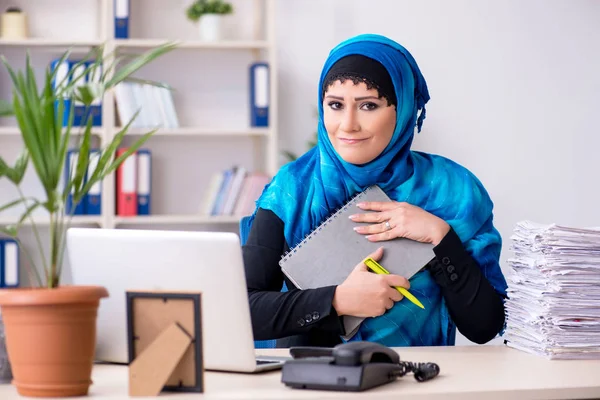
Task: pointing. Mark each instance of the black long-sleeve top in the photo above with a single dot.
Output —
(308, 318)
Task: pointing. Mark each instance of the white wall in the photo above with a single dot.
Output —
(514, 86)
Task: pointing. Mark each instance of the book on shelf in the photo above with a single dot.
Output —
(133, 184)
(154, 103)
(233, 192)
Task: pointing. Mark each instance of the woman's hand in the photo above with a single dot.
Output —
(400, 220)
(366, 294)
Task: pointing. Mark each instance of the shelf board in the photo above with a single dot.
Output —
(45, 221)
(193, 44)
(136, 43)
(43, 42)
(14, 131)
(177, 219)
(191, 131)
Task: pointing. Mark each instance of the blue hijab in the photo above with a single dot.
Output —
(305, 192)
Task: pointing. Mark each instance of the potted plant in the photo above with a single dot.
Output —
(51, 328)
(209, 15)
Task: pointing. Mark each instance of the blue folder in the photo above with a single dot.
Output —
(9, 263)
(62, 78)
(144, 181)
(121, 19)
(259, 94)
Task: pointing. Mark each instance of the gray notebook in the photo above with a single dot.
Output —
(329, 253)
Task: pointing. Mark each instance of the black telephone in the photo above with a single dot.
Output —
(353, 366)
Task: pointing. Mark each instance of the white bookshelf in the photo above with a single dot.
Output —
(41, 43)
(14, 131)
(175, 220)
(211, 98)
(199, 131)
(43, 221)
(192, 44)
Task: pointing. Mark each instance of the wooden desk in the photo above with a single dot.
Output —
(467, 372)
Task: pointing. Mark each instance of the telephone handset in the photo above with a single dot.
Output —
(353, 366)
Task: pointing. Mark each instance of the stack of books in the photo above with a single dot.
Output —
(155, 106)
(233, 192)
(553, 308)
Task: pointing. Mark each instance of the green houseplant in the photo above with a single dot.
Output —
(208, 14)
(50, 329)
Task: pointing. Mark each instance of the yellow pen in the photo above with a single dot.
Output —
(378, 269)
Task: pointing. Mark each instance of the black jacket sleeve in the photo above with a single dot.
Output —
(474, 305)
(275, 314)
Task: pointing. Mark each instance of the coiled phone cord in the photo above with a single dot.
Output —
(421, 371)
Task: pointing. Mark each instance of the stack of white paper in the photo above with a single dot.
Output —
(554, 291)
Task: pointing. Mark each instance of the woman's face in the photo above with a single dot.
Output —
(359, 123)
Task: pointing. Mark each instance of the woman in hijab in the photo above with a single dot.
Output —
(371, 97)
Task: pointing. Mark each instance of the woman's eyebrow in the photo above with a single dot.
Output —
(366, 97)
(356, 98)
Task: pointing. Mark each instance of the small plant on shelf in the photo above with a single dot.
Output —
(209, 16)
(203, 7)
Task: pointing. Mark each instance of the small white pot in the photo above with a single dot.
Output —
(210, 26)
(13, 25)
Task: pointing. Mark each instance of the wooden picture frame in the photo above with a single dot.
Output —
(164, 338)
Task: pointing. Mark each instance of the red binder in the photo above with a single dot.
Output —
(126, 186)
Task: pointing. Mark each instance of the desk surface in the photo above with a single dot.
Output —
(467, 372)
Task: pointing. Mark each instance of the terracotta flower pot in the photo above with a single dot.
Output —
(51, 338)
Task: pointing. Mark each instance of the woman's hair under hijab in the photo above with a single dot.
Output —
(359, 68)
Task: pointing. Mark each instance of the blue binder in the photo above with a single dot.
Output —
(72, 157)
(79, 119)
(1, 262)
(121, 19)
(93, 199)
(259, 94)
(144, 181)
(9, 263)
(96, 107)
(62, 77)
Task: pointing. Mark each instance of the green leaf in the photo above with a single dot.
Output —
(53, 110)
(102, 170)
(88, 93)
(3, 167)
(28, 212)
(289, 155)
(138, 63)
(37, 152)
(69, 84)
(15, 174)
(82, 163)
(110, 150)
(6, 109)
(12, 204)
(10, 230)
(62, 59)
(11, 72)
(130, 150)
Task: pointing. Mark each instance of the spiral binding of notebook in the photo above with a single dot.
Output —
(324, 224)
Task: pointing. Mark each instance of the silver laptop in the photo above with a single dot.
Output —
(209, 262)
